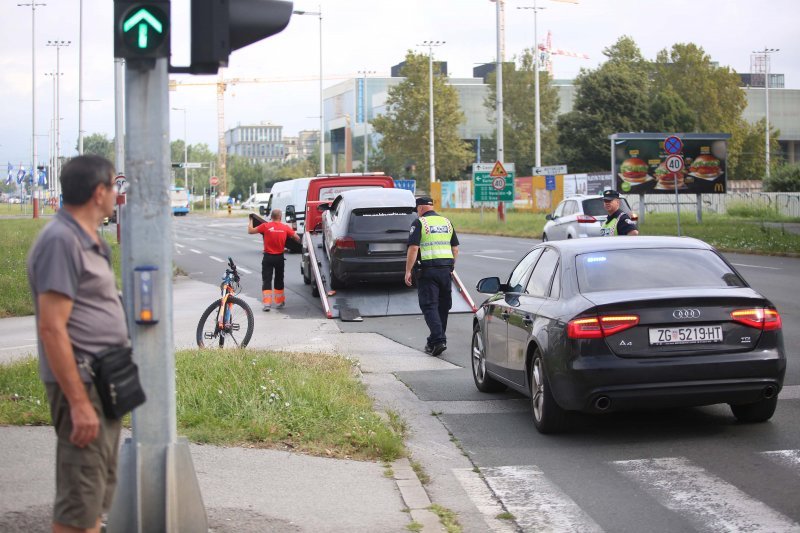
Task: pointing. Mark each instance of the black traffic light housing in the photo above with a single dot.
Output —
(221, 26)
(141, 30)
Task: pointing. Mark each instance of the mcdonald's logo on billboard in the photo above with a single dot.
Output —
(719, 187)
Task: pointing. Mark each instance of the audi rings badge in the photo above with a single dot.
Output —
(682, 314)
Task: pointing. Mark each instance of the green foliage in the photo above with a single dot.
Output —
(23, 400)
(757, 209)
(519, 114)
(746, 150)
(404, 129)
(99, 144)
(785, 179)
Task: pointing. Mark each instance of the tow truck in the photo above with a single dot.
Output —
(362, 300)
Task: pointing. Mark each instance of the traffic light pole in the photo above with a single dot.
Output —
(158, 489)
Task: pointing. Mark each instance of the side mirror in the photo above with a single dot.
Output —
(290, 213)
(548, 216)
(488, 285)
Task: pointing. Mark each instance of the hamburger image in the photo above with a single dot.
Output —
(667, 179)
(633, 170)
(705, 166)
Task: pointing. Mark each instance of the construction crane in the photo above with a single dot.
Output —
(222, 85)
(547, 51)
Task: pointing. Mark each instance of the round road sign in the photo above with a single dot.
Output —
(499, 184)
(674, 163)
(213, 181)
(121, 183)
(673, 144)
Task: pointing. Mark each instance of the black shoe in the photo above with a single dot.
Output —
(438, 349)
(428, 349)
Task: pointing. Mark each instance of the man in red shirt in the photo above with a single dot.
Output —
(275, 234)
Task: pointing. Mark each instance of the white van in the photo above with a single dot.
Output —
(291, 192)
(255, 201)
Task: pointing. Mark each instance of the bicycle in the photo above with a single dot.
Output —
(223, 319)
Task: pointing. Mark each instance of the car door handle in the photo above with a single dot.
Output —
(528, 321)
(505, 315)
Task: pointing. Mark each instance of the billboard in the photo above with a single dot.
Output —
(638, 163)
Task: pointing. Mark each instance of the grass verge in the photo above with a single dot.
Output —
(307, 403)
(747, 233)
(16, 237)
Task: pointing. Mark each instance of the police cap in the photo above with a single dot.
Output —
(610, 194)
(424, 200)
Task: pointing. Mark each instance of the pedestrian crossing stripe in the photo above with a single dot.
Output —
(708, 502)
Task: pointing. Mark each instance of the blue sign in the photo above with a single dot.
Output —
(550, 183)
(673, 144)
(409, 185)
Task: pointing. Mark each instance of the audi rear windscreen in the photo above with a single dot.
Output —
(619, 270)
(382, 220)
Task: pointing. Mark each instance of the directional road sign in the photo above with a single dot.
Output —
(488, 188)
(549, 171)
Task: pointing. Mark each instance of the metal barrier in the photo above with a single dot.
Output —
(785, 203)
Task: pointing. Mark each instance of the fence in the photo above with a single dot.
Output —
(785, 203)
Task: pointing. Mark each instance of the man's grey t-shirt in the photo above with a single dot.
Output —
(66, 260)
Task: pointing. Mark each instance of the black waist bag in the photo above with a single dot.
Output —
(116, 377)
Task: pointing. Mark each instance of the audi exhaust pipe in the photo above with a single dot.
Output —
(770, 391)
(602, 403)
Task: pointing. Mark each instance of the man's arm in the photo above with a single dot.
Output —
(251, 228)
(411, 258)
(54, 311)
(455, 253)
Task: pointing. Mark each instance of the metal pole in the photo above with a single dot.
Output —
(366, 124)
(500, 150)
(158, 489)
(35, 199)
(536, 86)
(80, 79)
(58, 45)
(766, 53)
(119, 117)
(321, 103)
(430, 116)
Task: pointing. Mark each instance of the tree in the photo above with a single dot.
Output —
(612, 98)
(519, 114)
(99, 144)
(670, 113)
(785, 179)
(711, 93)
(746, 157)
(404, 127)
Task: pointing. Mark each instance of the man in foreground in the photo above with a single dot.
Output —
(433, 238)
(275, 235)
(78, 313)
(618, 221)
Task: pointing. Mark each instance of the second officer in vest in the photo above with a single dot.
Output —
(433, 238)
(618, 222)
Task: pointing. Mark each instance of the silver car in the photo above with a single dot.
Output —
(579, 216)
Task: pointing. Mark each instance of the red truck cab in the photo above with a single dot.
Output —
(325, 189)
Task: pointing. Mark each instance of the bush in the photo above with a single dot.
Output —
(785, 179)
(753, 209)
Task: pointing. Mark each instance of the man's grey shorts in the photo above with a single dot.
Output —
(85, 477)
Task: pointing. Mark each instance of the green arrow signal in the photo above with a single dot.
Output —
(142, 18)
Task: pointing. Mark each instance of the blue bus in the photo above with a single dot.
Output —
(179, 200)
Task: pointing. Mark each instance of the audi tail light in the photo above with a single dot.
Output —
(586, 219)
(345, 243)
(758, 317)
(601, 326)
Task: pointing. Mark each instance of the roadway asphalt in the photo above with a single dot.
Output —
(247, 490)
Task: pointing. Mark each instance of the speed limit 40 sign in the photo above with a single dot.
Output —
(674, 163)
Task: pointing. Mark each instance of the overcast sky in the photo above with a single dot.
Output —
(357, 35)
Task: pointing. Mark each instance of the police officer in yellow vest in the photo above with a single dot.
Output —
(618, 222)
(432, 237)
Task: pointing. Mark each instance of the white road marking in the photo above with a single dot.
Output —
(755, 266)
(708, 502)
(483, 499)
(217, 259)
(787, 458)
(243, 269)
(790, 392)
(492, 257)
(536, 503)
(195, 251)
(180, 245)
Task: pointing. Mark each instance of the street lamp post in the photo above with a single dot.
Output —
(58, 45)
(33, 5)
(430, 45)
(365, 117)
(80, 78)
(538, 140)
(321, 103)
(766, 52)
(185, 149)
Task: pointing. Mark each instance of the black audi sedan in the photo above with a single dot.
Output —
(607, 324)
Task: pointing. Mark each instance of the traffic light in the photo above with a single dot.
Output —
(221, 26)
(141, 29)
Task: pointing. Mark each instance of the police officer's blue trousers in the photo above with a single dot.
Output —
(435, 300)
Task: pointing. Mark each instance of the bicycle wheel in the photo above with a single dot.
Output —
(237, 326)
